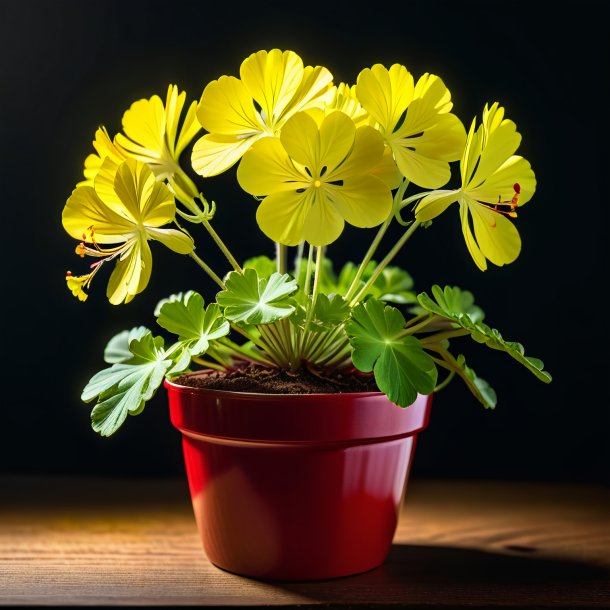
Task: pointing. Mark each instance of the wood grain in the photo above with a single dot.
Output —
(458, 544)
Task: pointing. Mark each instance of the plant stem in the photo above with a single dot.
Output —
(385, 262)
(299, 260)
(316, 285)
(438, 337)
(206, 223)
(240, 351)
(375, 244)
(208, 364)
(207, 269)
(307, 286)
(445, 382)
(281, 257)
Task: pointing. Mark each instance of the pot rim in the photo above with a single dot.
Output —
(184, 389)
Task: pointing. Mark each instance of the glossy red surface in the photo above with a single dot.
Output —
(296, 487)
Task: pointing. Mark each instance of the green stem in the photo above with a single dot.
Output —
(299, 260)
(409, 330)
(385, 262)
(207, 269)
(209, 364)
(223, 248)
(316, 286)
(445, 382)
(438, 337)
(281, 257)
(307, 285)
(375, 244)
(240, 351)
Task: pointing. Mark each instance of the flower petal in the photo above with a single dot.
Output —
(301, 138)
(323, 224)
(434, 204)
(419, 169)
(144, 125)
(314, 84)
(226, 108)
(85, 209)
(134, 185)
(104, 148)
(471, 244)
(497, 237)
(272, 79)
(175, 240)
(387, 169)
(366, 153)
(500, 185)
(431, 100)
(281, 216)
(174, 103)
(364, 201)
(131, 273)
(385, 94)
(497, 147)
(190, 128)
(472, 151)
(266, 168)
(214, 153)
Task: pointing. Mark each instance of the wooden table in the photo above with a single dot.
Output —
(459, 544)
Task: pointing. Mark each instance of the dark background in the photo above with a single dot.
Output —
(67, 67)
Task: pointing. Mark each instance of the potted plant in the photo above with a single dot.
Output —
(299, 389)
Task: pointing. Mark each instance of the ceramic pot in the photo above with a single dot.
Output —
(296, 486)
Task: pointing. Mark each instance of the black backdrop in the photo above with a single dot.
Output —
(67, 67)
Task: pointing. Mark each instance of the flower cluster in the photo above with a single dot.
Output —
(314, 155)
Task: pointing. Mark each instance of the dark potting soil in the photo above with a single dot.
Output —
(279, 381)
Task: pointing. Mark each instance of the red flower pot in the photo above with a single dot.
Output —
(296, 487)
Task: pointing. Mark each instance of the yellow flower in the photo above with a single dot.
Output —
(343, 98)
(76, 284)
(495, 182)
(152, 134)
(105, 148)
(414, 120)
(316, 176)
(238, 112)
(128, 216)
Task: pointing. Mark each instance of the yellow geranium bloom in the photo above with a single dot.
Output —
(105, 148)
(495, 182)
(152, 134)
(316, 176)
(343, 98)
(128, 216)
(238, 112)
(415, 121)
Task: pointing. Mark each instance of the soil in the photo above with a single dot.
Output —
(279, 381)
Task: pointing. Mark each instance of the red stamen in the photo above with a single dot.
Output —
(517, 188)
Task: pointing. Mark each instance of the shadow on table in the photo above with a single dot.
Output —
(448, 577)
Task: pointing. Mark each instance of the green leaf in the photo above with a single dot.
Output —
(401, 366)
(196, 326)
(263, 265)
(451, 304)
(117, 349)
(253, 300)
(484, 393)
(393, 286)
(329, 312)
(125, 387)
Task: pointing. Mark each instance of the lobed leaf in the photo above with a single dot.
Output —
(185, 315)
(253, 300)
(117, 349)
(125, 387)
(401, 366)
(458, 307)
